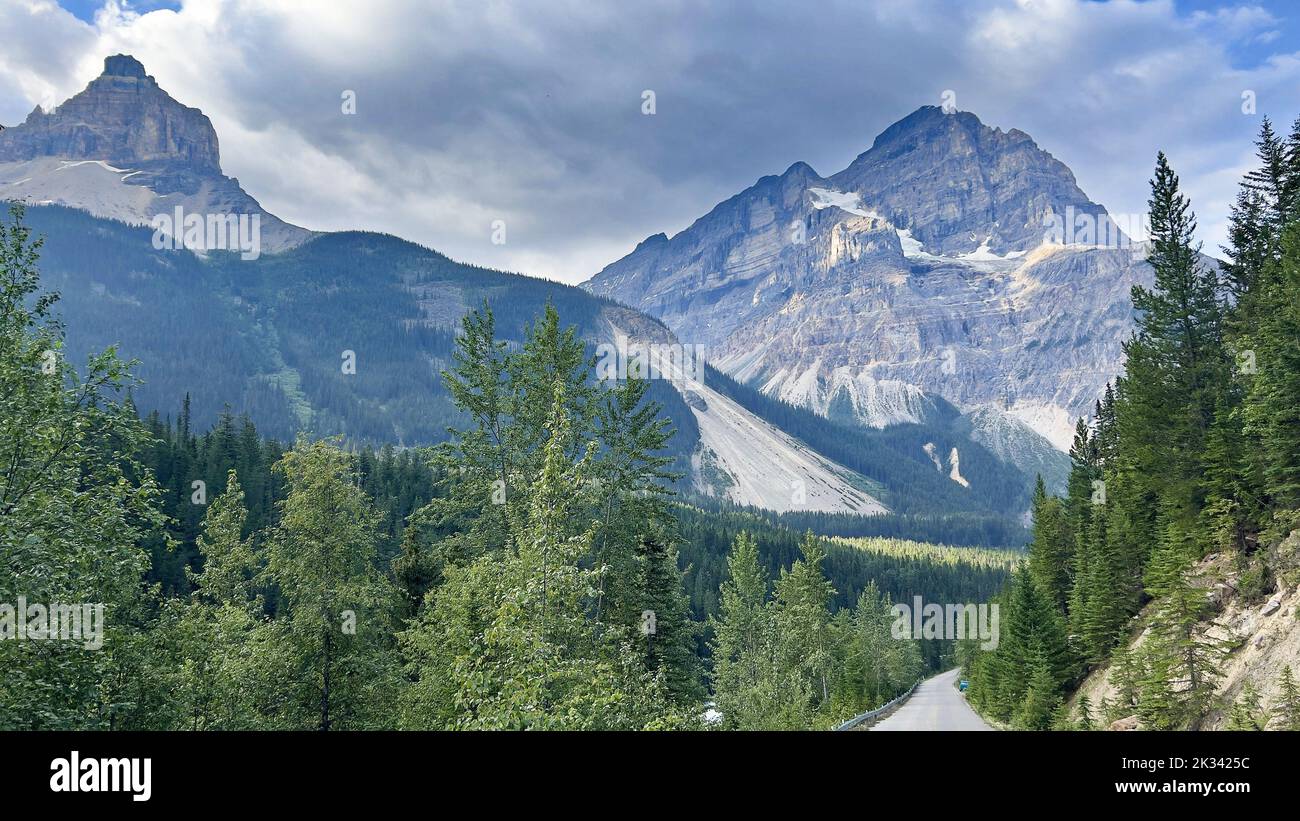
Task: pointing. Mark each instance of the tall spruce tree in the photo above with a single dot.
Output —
(667, 632)
(1032, 642)
(802, 600)
(1181, 652)
(752, 688)
(1051, 552)
(1176, 364)
(1272, 405)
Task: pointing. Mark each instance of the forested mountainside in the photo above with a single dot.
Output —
(401, 482)
(523, 574)
(346, 333)
(1165, 578)
(268, 337)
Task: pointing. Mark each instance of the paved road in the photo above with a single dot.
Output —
(936, 705)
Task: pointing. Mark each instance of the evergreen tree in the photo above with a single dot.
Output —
(232, 665)
(1272, 405)
(1085, 713)
(508, 640)
(1042, 699)
(229, 563)
(1105, 710)
(1125, 676)
(745, 676)
(1186, 659)
(481, 463)
(629, 497)
(1272, 181)
(1175, 364)
(1287, 709)
(1032, 643)
(1246, 712)
(878, 665)
(1159, 706)
(670, 645)
(802, 600)
(1050, 552)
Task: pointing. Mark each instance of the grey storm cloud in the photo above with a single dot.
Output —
(531, 113)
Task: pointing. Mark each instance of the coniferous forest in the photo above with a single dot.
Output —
(1190, 464)
(533, 571)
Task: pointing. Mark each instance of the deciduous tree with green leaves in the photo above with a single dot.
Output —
(75, 506)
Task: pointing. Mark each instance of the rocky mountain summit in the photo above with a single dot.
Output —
(123, 148)
(122, 118)
(958, 185)
(922, 270)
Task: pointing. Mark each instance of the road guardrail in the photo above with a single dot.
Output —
(879, 711)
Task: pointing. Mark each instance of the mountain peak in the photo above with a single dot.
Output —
(959, 184)
(934, 120)
(123, 118)
(800, 169)
(122, 144)
(124, 65)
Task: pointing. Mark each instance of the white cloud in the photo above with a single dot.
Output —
(1238, 21)
(473, 111)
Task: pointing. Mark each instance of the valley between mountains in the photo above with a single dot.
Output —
(940, 374)
(902, 337)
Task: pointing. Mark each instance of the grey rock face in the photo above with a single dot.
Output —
(145, 146)
(919, 270)
(956, 183)
(123, 118)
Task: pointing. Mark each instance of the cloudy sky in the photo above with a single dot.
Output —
(531, 112)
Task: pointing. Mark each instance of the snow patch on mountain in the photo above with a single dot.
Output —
(981, 259)
(850, 202)
(92, 185)
(110, 192)
(912, 247)
(64, 165)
